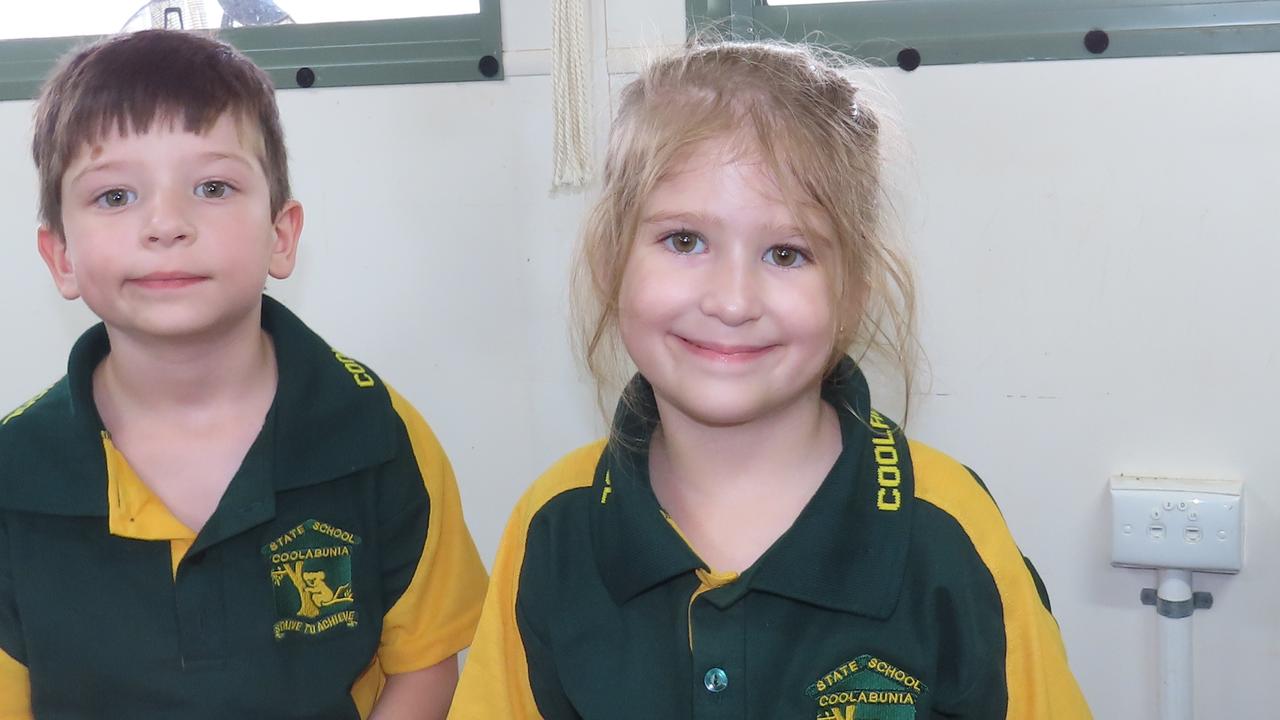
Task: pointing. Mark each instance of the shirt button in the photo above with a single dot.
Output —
(715, 680)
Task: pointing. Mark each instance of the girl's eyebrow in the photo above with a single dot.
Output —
(686, 217)
(697, 219)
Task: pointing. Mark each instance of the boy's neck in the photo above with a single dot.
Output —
(193, 375)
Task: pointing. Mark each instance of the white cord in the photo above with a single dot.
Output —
(570, 92)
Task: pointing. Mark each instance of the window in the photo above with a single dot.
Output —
(938, 32)
(299, 42)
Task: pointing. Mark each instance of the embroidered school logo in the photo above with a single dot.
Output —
(358, 372)
(867, 688)
(24, 407)
(888, 474)
(311, 574)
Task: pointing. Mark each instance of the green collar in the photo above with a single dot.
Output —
(330, 417)
(843, 552)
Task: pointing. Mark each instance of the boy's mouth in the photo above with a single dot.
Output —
(167, 280)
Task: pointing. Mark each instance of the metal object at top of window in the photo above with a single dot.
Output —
(301, 43)
(910, 33)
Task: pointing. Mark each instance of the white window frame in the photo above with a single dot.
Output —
(944, 32)
(450, 48)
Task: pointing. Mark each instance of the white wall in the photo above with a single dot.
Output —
(1096, 257)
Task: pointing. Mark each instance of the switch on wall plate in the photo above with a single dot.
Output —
(1159, 522)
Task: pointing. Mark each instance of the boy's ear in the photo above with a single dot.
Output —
(287, 228)
(53, 248)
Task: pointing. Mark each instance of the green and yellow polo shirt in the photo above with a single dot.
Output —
(897, 594)
(338, 555)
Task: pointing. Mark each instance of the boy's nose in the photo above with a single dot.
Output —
(732, 291)
(168, 221)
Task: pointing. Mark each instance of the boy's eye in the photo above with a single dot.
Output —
(115, 197)
(212, 189)
(685, 243)
(785, 256)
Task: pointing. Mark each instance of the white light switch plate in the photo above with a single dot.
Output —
(1161, 522)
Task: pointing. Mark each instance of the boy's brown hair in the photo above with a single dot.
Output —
(126, 83)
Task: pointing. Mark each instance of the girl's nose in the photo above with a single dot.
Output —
(732, 292)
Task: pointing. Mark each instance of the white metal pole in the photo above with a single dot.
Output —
(1174, 586)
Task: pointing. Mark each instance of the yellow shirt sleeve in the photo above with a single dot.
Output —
(1038, 679)
(15, 689)
(15, 681)
(436, 616)
(495, 679)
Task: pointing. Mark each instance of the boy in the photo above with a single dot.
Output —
(213, 514)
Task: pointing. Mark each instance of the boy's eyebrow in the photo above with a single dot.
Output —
(212, 155)
(235, 157)
(95, 167)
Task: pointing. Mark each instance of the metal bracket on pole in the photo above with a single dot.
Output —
(1177, 608)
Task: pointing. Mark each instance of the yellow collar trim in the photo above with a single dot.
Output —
(133, 510)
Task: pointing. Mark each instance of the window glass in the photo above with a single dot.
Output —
(67, 18)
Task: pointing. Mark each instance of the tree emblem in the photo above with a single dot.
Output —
(313, 592)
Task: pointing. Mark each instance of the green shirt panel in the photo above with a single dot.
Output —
(277, 607)
(871, 600)
(592, 657)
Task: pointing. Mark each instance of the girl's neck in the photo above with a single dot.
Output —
(706, 458)
(711, 479)
(187, 377)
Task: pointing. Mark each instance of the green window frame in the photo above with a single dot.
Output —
(909, 33)
(449, 48)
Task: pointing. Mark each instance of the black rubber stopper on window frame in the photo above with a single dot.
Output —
(908, 59)
(488, 66)
(306, 77)
(1097, 41)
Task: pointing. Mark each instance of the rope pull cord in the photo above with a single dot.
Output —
(570, 93)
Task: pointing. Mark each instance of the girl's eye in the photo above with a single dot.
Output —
(115, 198)
(786, 256)
(685, 243)
(212, 189)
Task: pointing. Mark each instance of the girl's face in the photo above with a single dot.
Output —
(723, 307)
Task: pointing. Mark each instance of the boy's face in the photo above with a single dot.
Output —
(169, 234)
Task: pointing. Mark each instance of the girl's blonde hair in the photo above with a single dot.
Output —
(794, 108)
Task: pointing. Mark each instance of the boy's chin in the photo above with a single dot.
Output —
(179, 324)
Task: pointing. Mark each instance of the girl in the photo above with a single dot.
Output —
(753, 540)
